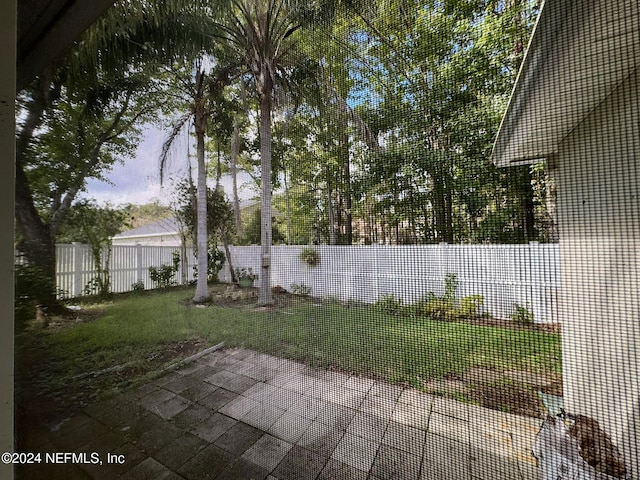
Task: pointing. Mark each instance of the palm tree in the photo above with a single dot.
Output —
(132, 36)
(265, 34)
(200, 96)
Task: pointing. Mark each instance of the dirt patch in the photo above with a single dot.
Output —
(235, 297)
(512, 391)
(503, 323)
(510, 397)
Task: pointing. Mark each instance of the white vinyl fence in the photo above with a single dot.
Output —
(505, 275)
(128, 264)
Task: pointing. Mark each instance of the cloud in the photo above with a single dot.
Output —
(137, 179)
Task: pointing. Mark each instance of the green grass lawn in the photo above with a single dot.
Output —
(358, 339)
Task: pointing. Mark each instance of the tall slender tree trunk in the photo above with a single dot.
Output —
(287, 195)
(330, 211)
(346, 186)
(218, 166)
(348, 205)
(235, 148)
(200, 122)
(225, 242)
(265, 296)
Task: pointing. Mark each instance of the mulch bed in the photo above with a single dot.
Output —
(497, 322)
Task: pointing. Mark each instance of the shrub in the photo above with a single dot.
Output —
(245, 272)
(522, 315)
(446, 307)
(92, 287)
(450, 287)
(30, 284)
(162, 276)
(310, 256)
(390, 304)
(215, 262)
(439, 307)
(300, 289)
(215, 259)
(470, 305)
(138, 286)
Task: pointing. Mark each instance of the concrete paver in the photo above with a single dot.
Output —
(394, 464)
(267, 452)
(356, 451)
(299, 464)
(237, 414)
(336, 470)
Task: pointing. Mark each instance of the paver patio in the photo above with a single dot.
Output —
(238, 414)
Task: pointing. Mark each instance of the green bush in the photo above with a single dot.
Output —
(245, 272)
(92, 287)
(442, 307)
(310, 256)
(390, 304)
(215, 261)
(439, 307)
(470, 305)
(138, 286)
(31, 284)
(300, 289)
(162, 276)
(446, 307)
(450, 287)
(522, 315)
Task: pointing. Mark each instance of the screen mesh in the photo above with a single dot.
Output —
(446, 285)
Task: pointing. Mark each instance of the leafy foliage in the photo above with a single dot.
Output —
(219, 213)
(300, 289)
(162, 276)
(215, 261)
(310, 256)
(522, 315)
(444, 307)
(86, 222)
(390, 304)
(31, 284)
(245, 273)
(252, 231)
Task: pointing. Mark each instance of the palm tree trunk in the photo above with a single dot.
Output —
(288, 206)
(202, 291)
(235, 140)
(265, 296)
(331, 213)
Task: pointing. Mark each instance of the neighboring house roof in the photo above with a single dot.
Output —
(165, 226)
(580, 51)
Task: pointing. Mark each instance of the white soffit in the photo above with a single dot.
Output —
(580, 51)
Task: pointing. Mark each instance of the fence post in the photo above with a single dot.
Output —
(535, 284)
(76, 268)
(139, 262)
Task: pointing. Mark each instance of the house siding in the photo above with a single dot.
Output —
(597, 173)
(159, 240)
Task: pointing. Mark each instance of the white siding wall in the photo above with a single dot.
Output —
(598, 177)
(166, 240)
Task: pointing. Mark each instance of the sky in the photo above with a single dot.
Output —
(137, 179)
